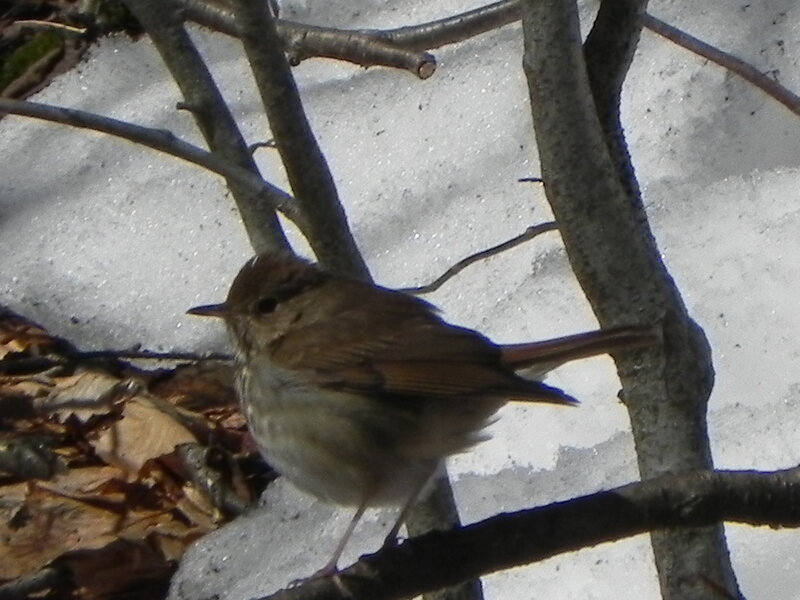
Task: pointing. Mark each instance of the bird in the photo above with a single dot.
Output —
(356, 393)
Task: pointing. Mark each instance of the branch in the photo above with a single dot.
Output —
(401, 47)
(592, 189)
(735, 65)
(457, 28)
(202, 97)
(307, 41)
(513, 539)
(398, 48)
(151, 355)
(608, 52)
(39, 364)
(163, 141)
(530, 233)
(361, 48)
(682, 443)
(306, 168)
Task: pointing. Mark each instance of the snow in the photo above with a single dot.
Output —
(108, 244)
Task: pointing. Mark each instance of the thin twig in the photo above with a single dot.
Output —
(152, 355)
(163, 141)
(39, 364)
(32, 364)
(36, 24)
(530, 233)
(735, 65)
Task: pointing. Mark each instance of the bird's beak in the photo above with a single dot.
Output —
(209, 310)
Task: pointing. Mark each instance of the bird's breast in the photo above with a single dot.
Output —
(346, 447)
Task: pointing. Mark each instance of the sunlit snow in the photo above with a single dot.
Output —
(108, 244)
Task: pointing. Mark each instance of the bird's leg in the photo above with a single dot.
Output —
(331, 567)
(391, 537)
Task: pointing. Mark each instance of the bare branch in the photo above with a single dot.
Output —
(391, 47)
(401, 47)
(152, 355)
(362, 48)
(306, 41)
(736, 65)
(513, 539)
(608, 51)
(163, 141)
(39, 364)
(161, 21)
(595, 198)
(328, 232)
(530, 233)
(457, 28)
(679, 555)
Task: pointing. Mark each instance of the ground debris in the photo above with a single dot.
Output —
(109, 471)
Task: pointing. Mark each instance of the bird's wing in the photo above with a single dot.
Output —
(404, 349)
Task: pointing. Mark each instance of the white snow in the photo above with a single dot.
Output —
(108, 244)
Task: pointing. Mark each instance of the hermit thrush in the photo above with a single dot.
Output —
(356, 393)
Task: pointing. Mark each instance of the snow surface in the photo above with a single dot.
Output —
(108, 244)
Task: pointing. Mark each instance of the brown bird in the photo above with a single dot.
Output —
(356, 393)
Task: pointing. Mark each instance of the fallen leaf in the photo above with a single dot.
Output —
(44, 525)
(85, 395)
(142, 433)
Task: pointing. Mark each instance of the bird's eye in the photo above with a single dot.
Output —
(266, 306)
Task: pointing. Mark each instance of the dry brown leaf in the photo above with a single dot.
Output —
(25, 387)
(139, 525)
(44, 525)
(116, 527)
(144, 432)
(19, 335)
(83, 395)
(84, 484)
